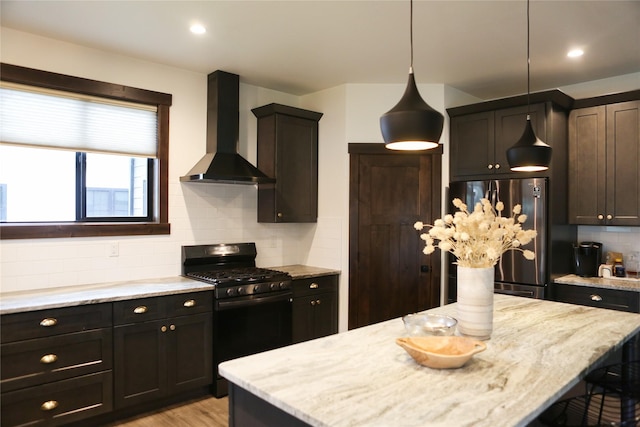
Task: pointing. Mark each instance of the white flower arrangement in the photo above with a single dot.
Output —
(478, 239)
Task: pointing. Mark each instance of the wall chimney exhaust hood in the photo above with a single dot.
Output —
(222, 163)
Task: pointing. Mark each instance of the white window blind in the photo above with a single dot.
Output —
(41, 117)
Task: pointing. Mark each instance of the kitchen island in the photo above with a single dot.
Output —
(538, 351)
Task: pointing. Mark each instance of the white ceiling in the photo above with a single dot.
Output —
(300, 47)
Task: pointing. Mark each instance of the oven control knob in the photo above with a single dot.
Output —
(256, 289)
(283, 285)
(273, 286)
(241, 291)
(230, 292)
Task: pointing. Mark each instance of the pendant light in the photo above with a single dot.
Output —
(412, 124)
(529, 154)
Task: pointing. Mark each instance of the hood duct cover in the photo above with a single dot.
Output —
(222, 163)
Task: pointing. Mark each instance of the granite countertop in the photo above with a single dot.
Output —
(538, 351)
(40, 299)
(622, 283)
(298, 271)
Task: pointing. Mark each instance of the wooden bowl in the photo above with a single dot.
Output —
(441, 352)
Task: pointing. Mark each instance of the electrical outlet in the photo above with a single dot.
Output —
(114, 249)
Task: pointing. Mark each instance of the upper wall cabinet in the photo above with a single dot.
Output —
(604, 164)
(482, 133)
(288, 152)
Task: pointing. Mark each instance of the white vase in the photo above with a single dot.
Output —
(475, 301)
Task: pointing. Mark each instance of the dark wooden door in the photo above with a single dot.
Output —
(389, 276)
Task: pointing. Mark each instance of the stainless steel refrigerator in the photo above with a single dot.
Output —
(514, 274)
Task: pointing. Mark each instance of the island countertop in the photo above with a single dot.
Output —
(538, 351)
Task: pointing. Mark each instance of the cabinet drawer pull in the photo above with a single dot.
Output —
(141, 309)
(314, 286)
(49, 321)
(49, 405)
(596, 297)
(189, 303)
(48, 358)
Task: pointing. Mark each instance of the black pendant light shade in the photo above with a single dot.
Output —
(412, 124)
(529, 154)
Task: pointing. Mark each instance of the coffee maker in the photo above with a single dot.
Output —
(587, 257)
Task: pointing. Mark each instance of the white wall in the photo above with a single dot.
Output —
(197, 213)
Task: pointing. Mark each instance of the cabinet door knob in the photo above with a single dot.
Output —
(318, 302)
(48, 358)
(141, 309)
(49, 405)
(279, 214)
(489, 166)
(172, 327)
(163, 328)
(497, 165)
(596, 297)
(313, 286)
(313, 303)
(600, 217)
(609, 216)
(189, 303)
(49, 321)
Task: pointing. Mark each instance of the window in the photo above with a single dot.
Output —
(80, 157)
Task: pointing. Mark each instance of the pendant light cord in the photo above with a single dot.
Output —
(411, 35)
(528, 66)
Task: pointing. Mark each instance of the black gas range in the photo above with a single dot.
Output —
(252, 305)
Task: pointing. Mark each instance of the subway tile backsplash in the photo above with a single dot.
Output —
(616, 239)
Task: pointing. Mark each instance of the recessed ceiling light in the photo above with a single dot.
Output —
(575, 53)
(197, 29)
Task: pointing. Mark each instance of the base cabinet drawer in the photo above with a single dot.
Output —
(613, 299)
(32, 362)
(59, 402)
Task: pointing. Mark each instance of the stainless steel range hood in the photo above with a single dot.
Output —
(222, 163)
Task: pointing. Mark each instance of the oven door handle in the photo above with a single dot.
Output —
(253, 300)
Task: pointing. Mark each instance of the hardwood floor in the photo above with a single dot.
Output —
(203, 412)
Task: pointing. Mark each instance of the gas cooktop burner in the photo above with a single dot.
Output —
(239, 275)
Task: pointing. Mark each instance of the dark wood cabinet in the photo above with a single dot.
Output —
(614, 299)
(604, 164)
(479, 142)
(288, 152)
(162, 346)
(482, 133)
(315, 307)
(56, 365)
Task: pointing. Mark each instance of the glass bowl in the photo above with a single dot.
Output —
(424, 324)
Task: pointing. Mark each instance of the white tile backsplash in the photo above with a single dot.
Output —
(616, 239)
